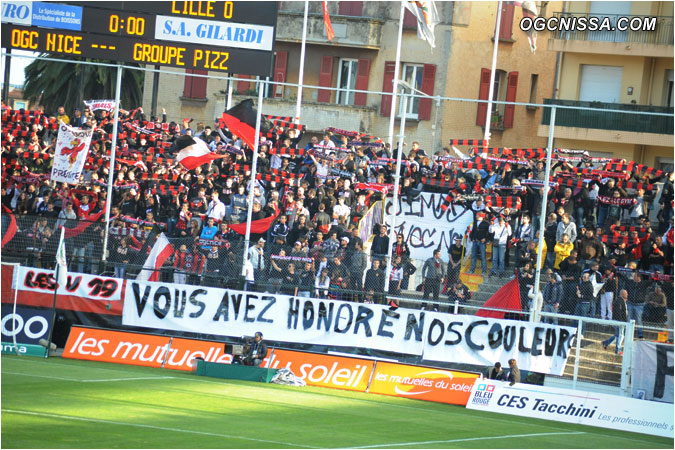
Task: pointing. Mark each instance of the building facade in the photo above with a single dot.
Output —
(362, 57)
(620, 70)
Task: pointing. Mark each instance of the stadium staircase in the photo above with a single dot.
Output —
(596, 365)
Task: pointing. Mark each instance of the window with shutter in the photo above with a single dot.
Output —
(362, 74)
(506, 24)
(483, 93)
(387, 86)
(243, 86)
(354, 9)
(428, 79)
(413, 75)
(511, 88)
(325, 78)
(280, 73)
(194, 87)
(409, 20)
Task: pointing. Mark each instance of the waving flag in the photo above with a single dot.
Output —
(158, 255)
(61, 263)
(507, 297)
(326, 22)
(427, 18)
(240, 120)
(194, 152)
(529, 10)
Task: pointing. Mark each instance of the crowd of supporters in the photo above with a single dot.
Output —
(309, 196)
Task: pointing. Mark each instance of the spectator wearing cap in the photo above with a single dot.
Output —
(257, 256)
(478, 235)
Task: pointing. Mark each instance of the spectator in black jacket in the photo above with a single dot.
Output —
(478, 236)
(619, 313)
(380, 244)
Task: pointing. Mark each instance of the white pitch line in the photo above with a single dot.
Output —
(87, 381)
(128, 379)
(469, 439)
(154, 427)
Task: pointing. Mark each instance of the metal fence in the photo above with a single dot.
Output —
(430, 122)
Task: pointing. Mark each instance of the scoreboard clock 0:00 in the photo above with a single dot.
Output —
(142, 51)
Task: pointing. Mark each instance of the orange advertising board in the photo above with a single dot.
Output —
(325, 370)
(423, 383)
(141, 349)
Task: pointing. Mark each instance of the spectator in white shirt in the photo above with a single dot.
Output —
(216, 209)
(502, 232)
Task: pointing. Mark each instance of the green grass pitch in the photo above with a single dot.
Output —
(61, 403)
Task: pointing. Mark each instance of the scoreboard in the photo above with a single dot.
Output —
(235, 37)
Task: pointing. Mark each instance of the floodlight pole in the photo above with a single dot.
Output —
(301, 69)
(111, 170)
(395, 199)
(534, 307)
(262, 85)
(493, 71)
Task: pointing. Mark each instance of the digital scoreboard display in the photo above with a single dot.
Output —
(236, 37)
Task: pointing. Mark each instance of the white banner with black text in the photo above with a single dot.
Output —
(652, 371)
(435, 336)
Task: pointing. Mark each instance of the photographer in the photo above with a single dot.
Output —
(254, 351)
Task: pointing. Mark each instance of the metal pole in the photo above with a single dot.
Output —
(395, 208)
(230, 88)
(542, 218)
(262, 85)
(56, 289)
(394, 90)
(111, 170)
(488, 113)
(576, 355)
(5, 85)
(627, 361)
(301, 70)
(155, 92)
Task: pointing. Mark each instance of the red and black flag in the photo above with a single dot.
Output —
(241, 119)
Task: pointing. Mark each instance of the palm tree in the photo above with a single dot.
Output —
(54, 83)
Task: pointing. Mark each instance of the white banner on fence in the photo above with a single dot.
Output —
(72, 147)
(106, 105)
(426, 226)
(566, 405)
(91, 287)
(652, 371)
(435, 336)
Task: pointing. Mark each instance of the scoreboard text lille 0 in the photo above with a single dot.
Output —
(235, 37)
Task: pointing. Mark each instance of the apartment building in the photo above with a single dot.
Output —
(620, 70)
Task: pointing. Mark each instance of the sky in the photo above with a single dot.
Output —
(16, 76)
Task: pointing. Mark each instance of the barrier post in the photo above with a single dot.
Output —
(395, 199)
(262, 84)
(577, 355)
(534, 308)
(627, 362)
(111, 170)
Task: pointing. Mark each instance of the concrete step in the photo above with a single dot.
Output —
(594, 373)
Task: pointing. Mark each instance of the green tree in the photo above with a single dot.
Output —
(55, 83)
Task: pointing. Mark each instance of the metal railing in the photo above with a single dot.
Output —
(661, 35)
(609, 120)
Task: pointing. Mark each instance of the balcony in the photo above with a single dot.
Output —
(609, 126)
(657, 43)
(315, 115)
(357, 32)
